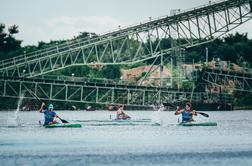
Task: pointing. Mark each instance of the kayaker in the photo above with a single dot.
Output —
(49, 114)
(120, 114)
(187, 113)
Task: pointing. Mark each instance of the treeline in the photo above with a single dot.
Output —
(236, 48)
(11, 47)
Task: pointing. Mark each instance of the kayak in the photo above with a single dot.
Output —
(122, 124)
(63, 125)
(198, 124)
(122, 119)
(115, 120)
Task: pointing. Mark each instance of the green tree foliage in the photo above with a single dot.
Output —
(236, 48)
(86, 35)
(243, 98)
(78, 71)
(9, 46)
(111, 72)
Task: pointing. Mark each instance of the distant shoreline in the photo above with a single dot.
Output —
(249, 108)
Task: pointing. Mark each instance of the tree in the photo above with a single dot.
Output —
(9, 45)
(111, 72)
(231, 39)
(13, 29)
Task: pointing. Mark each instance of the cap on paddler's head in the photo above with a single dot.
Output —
(50, 106)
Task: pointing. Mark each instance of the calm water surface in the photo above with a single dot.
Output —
(24, 142)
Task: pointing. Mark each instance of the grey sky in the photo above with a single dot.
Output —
(45, 20)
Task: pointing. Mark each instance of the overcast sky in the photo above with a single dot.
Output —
(45, 20)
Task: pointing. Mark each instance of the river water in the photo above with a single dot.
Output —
(25, 142)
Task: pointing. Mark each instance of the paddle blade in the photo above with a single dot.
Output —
(203, 114)
(38, 102)
(63, 121)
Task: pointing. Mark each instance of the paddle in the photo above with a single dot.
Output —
(38, 99)
(34, 95)
(172, 105)
(63, 121)
(202, 113)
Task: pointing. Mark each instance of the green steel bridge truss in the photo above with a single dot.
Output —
(86, 92)
(239, 81)
(135, 43)
(129, 45)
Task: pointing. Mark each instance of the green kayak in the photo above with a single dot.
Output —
(198, 124)
(65, 125)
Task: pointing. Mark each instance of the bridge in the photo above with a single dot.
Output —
(239, 81)
(88, 92)
(129, 45)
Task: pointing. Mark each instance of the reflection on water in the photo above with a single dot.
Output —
(229, 143)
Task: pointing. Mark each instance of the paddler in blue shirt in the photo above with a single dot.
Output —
(49, 114)
(120, 114)
(187, 113)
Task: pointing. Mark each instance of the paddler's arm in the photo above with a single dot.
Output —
(41, 107)
(125, 115)
(178, 110)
